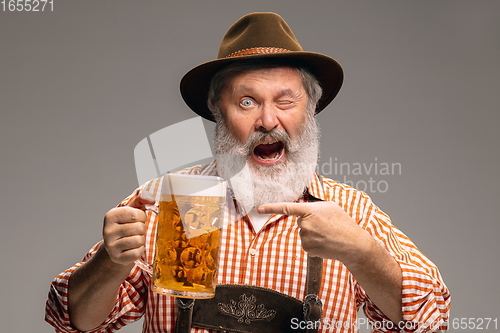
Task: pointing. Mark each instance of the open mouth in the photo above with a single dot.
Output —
(269, 152)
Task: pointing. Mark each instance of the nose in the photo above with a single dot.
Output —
(267, 120)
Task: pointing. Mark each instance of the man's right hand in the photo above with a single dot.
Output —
(94, 285)
(124, 229)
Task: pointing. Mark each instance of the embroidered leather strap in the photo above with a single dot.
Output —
(248, 309)
(252, 309)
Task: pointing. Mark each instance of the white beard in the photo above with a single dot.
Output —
(253, 185)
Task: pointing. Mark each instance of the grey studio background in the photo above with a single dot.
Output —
(81, 85)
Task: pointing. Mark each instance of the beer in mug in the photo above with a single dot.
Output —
(188, 236)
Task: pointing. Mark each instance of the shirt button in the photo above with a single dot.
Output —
(253, 252)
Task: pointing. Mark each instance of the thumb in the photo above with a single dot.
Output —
(143, 201)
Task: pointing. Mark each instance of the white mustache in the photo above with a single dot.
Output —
(276, 134)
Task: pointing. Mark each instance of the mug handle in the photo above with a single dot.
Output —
(148, 268)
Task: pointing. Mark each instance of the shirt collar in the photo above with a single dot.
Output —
(209, 169)
(315, 187)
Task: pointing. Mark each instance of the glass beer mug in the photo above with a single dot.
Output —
(188, 236)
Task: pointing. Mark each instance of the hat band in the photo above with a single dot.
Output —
(257, 50)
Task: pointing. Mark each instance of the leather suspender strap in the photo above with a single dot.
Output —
(314, 275)
(183, 321)
(313, 307)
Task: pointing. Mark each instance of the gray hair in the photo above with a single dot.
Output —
(222, 77)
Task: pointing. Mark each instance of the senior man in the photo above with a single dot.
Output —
(306, 248)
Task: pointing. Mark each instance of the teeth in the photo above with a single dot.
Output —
(268, 143)
(273, 158)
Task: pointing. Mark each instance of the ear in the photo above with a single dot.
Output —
(215, 115)
(212, 109)
(313, 110)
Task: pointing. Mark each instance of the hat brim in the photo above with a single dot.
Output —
(195, 84)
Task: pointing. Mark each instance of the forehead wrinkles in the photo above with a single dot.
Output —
(278, 79)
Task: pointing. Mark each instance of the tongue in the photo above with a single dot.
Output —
(268, 151)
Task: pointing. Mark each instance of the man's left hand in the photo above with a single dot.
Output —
(326, 230)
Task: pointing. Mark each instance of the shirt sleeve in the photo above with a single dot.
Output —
(129, 306)
(425, 297)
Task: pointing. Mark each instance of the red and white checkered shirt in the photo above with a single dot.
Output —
(274, 258)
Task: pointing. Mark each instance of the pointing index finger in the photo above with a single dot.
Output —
(286, 208)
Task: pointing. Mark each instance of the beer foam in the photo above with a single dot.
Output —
(193, 185)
